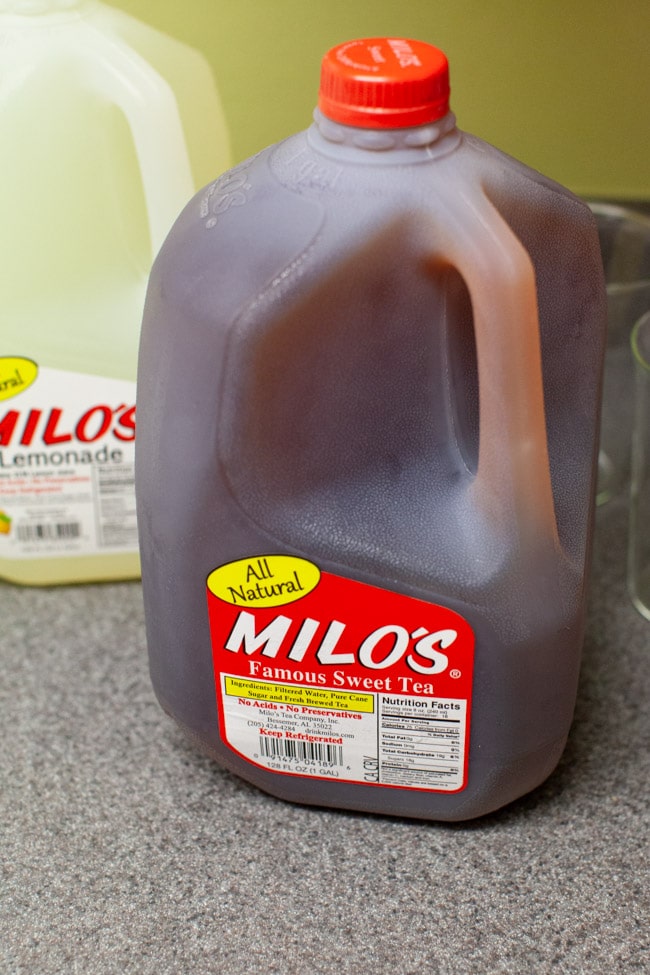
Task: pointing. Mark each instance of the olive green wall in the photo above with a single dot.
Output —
(564, 85)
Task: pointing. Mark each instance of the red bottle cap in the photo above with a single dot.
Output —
(384, 83)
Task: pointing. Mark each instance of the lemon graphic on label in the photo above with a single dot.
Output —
(5, 523)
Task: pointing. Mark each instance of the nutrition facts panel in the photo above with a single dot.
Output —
(421, 742)
(115, 506)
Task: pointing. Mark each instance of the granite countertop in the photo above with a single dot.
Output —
(123, 850)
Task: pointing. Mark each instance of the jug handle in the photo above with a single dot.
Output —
(124, 78)
(513, 475)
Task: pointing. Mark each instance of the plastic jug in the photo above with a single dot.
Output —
(368, 395)
(108, 127)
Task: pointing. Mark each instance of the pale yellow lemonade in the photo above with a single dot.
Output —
(108, 127)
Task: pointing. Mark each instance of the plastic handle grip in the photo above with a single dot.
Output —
(513, 476)
(121, 76)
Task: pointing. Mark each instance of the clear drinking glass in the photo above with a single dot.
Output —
(625, 247)
(639, 537)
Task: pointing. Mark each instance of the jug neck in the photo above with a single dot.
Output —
(419, 143)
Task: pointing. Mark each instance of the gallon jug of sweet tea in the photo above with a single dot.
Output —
(368, 396)
(108, 127)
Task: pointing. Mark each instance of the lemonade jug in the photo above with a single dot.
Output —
(107, 127)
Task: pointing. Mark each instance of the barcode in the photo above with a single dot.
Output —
(303, 750)
(48, 532)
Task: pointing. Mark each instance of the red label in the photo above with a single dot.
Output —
(320, 675)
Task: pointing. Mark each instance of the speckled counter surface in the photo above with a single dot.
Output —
(123, 851)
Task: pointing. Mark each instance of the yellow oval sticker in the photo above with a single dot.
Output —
(267, 580)
(16, 374)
